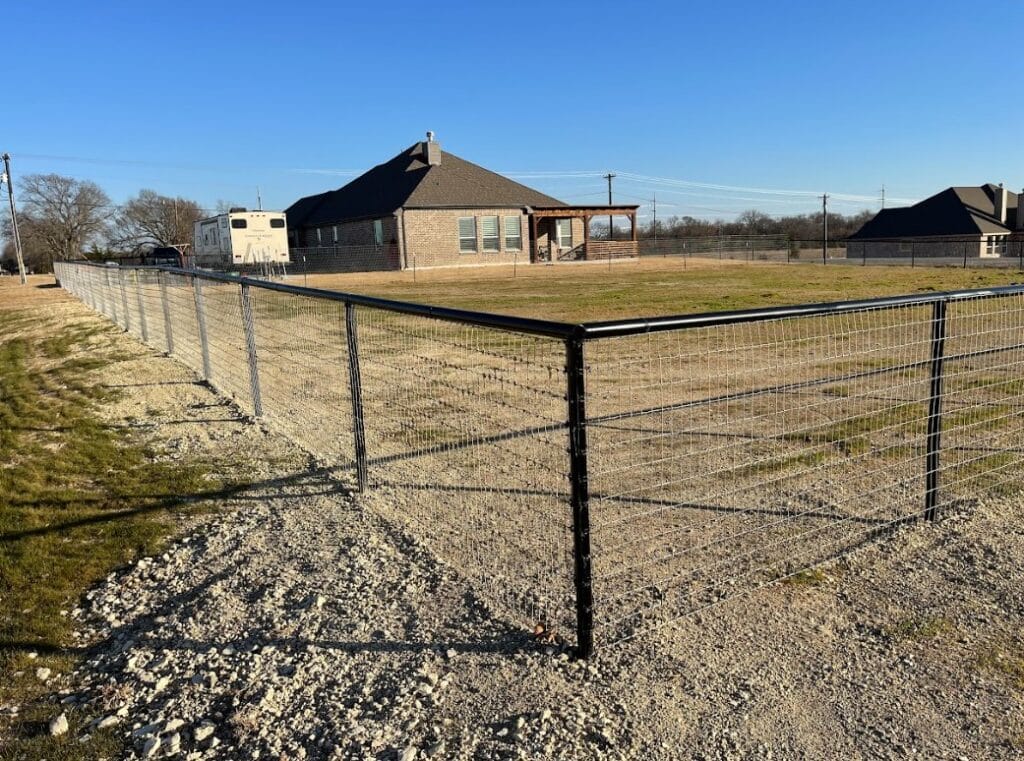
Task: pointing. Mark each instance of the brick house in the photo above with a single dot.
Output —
(428, 208)
(961, 222)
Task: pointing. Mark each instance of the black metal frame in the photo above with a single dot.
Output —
(575, 337)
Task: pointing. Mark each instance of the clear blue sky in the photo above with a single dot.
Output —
(209, 100)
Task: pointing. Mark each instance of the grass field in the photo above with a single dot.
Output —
(581, 292)
(78, 499)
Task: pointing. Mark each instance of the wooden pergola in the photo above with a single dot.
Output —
(586, 213)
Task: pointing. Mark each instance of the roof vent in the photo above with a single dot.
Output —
(1000, 199)
(432, 151)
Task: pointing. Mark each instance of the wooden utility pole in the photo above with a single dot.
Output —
(610, 177)
(824, 228)
(883, 196)
(654, 208)
(14, 217)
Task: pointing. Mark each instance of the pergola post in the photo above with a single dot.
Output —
(535, 254)
(586, 237)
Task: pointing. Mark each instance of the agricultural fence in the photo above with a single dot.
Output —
(609, 478)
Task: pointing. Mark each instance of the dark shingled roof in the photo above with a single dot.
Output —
(964, 210)
(408, 182)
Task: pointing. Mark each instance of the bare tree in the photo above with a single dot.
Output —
(151, 219)
(59, 217)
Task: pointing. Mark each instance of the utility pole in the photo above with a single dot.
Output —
(610, 177)
(14, 217)
(824, 228)
(654, 207)
(883, 196)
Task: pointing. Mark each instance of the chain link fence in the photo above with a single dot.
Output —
(608, 478)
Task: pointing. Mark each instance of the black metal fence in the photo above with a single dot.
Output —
(608, 478)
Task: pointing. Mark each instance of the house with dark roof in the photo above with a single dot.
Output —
(965, 221)
(426, 207)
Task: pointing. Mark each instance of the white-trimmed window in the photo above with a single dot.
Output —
(490, 233)
(514, 233)
(563, 231)
(995, 245)
(467, 235)
(906, 246)
(319, 237)
(378, 232)
(334, 234)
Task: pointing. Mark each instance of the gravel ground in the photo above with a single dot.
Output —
(297, 623)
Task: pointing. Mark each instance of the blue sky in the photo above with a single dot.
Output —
(209, 100)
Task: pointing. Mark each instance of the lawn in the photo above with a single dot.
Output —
(78, 499)
(582, 292)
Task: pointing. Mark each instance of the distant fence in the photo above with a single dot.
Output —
(609, 478)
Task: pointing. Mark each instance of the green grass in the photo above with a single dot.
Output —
(77, 500)
(652, 287)
(918, 628)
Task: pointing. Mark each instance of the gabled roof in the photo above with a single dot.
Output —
(961, 210)
(408, 182)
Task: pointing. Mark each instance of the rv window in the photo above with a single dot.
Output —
(239, 224)
(277, 223)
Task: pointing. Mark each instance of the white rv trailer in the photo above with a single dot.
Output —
(242, 237)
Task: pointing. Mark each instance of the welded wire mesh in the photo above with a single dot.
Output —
(721, 457)
(982, 446)
(303, 371)
(466, 435)
(725, 457)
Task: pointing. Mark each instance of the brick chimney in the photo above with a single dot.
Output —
(1020, 211)
(1001, 203)
(432, 151)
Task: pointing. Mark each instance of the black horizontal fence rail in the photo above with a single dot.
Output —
(160, 315)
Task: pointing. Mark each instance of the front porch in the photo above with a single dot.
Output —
(555, 233)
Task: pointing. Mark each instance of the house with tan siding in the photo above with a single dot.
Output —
(427, 208)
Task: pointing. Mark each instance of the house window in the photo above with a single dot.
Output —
(995, 245)
(334, 234)
(563, 230)
(319, 237)
(467, 235)
(491, 234)
(906, 247)
(514, 233)
(378, 232)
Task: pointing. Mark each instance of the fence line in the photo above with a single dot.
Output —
(610, 477)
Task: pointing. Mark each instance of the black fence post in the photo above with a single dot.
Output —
(250, 347)
(576, 397)
(355, 383)
(166, 303)
(935, 410)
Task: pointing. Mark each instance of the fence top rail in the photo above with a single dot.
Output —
(599, 329)
(616, 328)
(547, 328)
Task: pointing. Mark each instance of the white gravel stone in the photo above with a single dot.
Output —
(59, 725)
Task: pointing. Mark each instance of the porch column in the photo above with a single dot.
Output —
(586, 237)
(533, 237)
(632, 224)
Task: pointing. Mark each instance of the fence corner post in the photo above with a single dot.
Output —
(938, 342)
(250, 347)
(355, 383)
(580, 494)
(204, 345)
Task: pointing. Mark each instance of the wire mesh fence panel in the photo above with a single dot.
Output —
(723, 458)
(982, 397)
(303, 371)
(180, 319)
(230, 370)
(152, 308)
(466, 438)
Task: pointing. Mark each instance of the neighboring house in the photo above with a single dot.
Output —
(427, 208)
(966, 221)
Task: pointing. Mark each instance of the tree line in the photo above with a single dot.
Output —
(795, 227)
(64, 218)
